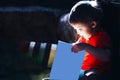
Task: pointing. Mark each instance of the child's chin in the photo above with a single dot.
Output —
(81, 34)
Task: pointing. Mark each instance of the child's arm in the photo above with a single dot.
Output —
(102, 54)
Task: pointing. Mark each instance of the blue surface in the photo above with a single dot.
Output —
(66, 64)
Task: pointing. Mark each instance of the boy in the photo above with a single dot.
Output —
(85, 17)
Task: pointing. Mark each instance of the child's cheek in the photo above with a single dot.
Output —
(80, 33)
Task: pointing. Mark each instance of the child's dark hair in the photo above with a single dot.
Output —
(85, 12)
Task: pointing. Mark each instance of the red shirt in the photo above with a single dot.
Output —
(100, 39)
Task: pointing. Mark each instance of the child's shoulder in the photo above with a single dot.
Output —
(101, 33)
(102, 36)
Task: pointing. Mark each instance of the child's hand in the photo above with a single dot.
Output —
(78, 47)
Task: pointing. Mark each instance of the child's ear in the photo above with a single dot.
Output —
(93, 24)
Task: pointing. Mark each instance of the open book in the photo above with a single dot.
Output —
(66, 64)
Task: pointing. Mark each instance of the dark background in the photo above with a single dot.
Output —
(48, 3)
(62, 4)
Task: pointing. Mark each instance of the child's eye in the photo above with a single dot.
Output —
(80, 29)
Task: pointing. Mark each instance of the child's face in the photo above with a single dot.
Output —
(82, 29)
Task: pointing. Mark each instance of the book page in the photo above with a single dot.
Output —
(66, 64)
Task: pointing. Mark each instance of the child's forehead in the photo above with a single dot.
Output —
(77, 25)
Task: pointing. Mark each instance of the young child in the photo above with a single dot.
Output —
(85, 17)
